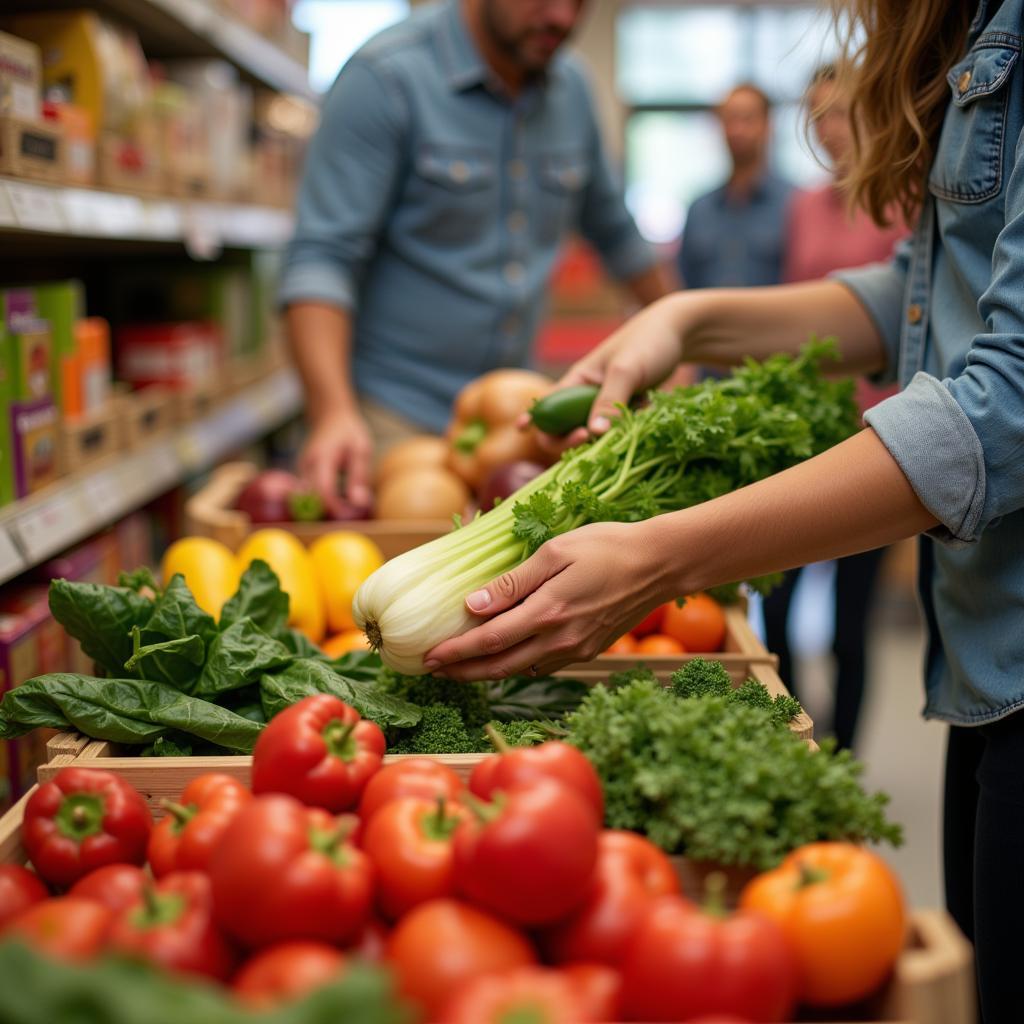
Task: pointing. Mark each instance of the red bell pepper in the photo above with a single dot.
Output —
(82, 820)
(684, 962)
(19, 889)
(527, 993)
(173, 928)
(66, 927)
(117, 886)
(529, 855)
(185, 838)
(320, 752)
(285, 871)
(412, 776)
(409, 841)
(521, 766)
(631, 872)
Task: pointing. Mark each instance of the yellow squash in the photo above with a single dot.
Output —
(284, 553)
(210, 570)
(342, 561)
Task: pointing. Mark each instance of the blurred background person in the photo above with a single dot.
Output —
(456, 152)
(823, 235)
(735, 235)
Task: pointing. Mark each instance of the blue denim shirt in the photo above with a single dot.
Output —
(951, 311)
(432, 206)
(728, 244)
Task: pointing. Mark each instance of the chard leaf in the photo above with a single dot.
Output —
(176, 616)
(238, 657)
(306, 676)
(100, 618)
(259, 597)
(191, 648)
(130, 711)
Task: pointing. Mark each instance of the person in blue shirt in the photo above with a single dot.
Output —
(937, 95)
(735, 235)
(456, 152)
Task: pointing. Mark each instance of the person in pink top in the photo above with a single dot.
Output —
(823, 235)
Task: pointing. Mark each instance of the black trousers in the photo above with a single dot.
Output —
(855, 583)
(983, 839)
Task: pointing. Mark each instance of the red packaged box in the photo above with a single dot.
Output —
(180, 355)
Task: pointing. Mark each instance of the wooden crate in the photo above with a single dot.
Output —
(31, 149)
(88, 439)
(933, 981)
(210, 513)
(147, 414)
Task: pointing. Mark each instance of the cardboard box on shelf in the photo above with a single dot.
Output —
(31, 149)
(177, 355)
(61, 304)
(21, 78)
(79, 141)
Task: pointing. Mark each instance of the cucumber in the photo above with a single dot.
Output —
(563, 411)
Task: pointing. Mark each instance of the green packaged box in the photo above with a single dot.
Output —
(62, 305)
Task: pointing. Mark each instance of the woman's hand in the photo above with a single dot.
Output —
(567, 603)
(642, 353)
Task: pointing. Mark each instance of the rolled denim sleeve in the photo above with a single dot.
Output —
(347, 187)
(604, 219)
(880, 289)
(960, 441)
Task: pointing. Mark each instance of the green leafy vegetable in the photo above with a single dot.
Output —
(176, 616)
(238, 657)
(469, 699)
(100, 618)
(441, 730)
(702, 677)
(259, 597)
(521, 732)
(534, 697)
(713, 779)
(120, 710)
(191, 648)
(34, 988)
(306, 676)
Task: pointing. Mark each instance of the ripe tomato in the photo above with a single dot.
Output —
(413, 776)
(684, 962)
(529, 993)
(658, 643)
(286, 971)
(409, 841)
(631, 873)
(599, 987)
(19, 889)
(444, 943)
(116, 886)
(651, 623)
(699, 625)
(626, 644)
(842, 910)
(66, 927)
(344, 642)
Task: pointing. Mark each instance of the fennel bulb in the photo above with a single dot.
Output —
(684, 447)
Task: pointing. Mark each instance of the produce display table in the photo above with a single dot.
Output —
(211, 513)
(933, 982)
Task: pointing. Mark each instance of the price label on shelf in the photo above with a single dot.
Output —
(11, 562)
(36, 207)
(54, 524)
(7, 217)
(105, 495)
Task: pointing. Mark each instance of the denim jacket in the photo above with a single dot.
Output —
(950, 309)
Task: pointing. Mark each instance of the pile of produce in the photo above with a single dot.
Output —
(277, 496)
(501, 900)
(684, 447)
(694, 625)
(319, 582)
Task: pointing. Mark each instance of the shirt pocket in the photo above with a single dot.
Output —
(562, 176)
(453, 193)
(968, 165)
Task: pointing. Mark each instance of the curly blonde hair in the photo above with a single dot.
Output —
(897, 55)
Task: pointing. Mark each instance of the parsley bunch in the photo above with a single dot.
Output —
(693, 444)
(717, 780)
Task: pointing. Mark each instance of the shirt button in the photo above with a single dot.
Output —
(459, 170)
(511, 325)
(516, 221)
(914, 313)
(964, 81)
(514, 272)
(517, 170)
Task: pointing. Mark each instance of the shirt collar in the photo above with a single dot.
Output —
(464, 65)
(761, 189)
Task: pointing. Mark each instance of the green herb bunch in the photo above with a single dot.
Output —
(715, 779)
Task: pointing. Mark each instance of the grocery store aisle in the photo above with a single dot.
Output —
(903, 753)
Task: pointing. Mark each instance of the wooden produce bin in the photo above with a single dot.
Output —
(932, 983)
(211, 513)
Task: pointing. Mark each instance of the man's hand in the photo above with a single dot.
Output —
(340, 442)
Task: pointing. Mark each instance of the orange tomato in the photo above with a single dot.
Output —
(626, 644)
(341, 643)
(842, 909)
(659, 643)
(699, 625)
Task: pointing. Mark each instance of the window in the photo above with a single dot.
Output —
(339, 28)
(674, 64)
